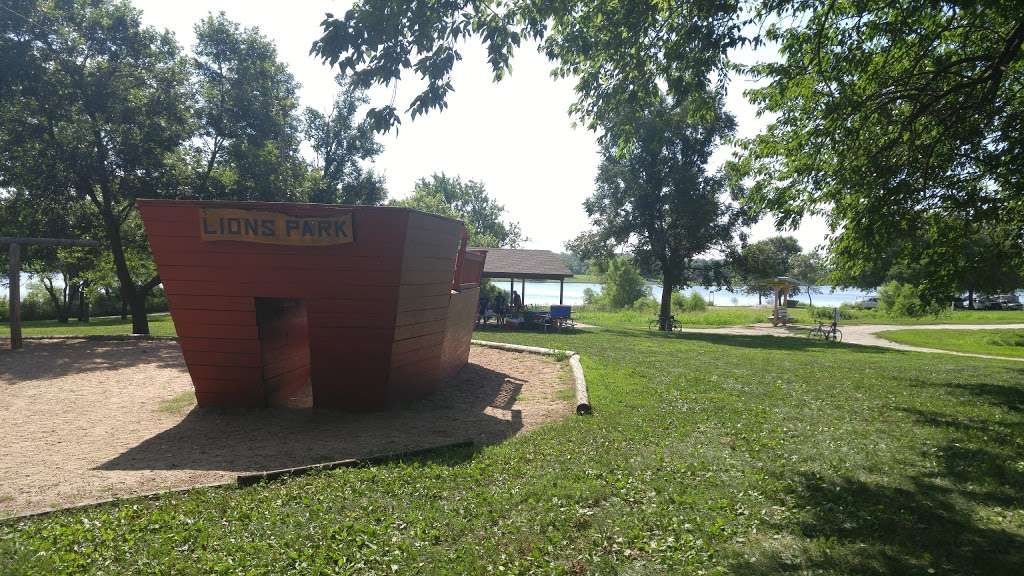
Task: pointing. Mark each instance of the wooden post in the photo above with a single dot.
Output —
(522, 291)
(14, 295)
(561, 290)
(14, 251)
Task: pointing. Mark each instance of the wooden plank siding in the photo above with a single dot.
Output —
(376, 323)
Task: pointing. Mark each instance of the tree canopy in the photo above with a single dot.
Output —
(93, 107)
(765, 260)
(247, 144)
(656, 196)
(97, 111)
(341, 142)
(468, 201)
(621, 54)
(895, 120)
(888, 116)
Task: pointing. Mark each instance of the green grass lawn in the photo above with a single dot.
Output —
(993, 342)
(715, 316)
(946, 317)
(159, 325)
(707, 454)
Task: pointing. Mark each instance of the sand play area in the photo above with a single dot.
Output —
(84, 420)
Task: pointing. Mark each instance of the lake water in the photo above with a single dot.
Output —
(547, 293)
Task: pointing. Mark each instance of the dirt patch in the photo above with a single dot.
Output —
(84, 420)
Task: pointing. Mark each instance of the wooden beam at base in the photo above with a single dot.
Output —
(256, 477)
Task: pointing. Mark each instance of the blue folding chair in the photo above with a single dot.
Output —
(560, 317)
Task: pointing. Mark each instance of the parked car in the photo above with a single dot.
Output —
(867, 303)
(982, 302)
(1008, 302)
(998, 302)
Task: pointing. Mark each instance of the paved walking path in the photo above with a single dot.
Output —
(866, 335)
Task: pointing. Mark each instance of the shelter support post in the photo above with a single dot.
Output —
(561, 290)
(522, 290)
(14, 295)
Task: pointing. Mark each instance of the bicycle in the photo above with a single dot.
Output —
(831, 333)
(656, 324)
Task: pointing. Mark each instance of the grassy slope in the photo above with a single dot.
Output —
(740, 315)
(707, 453)
(159, 325)
(993, 342)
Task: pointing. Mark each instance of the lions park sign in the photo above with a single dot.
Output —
(274, 227)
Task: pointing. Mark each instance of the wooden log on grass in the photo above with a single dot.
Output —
(582, 397)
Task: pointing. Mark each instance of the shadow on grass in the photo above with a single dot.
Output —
(765, 342)
(494, 328)
(44, 360)
(852, 526)
(258, 440)
(945, 519)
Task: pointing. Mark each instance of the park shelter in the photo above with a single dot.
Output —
(522, 264)
(350, 307)
(781, 287)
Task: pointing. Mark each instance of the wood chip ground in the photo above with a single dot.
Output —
(83, 420)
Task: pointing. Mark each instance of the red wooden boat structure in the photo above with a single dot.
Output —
(350, 307)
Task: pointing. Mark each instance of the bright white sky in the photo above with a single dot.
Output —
(514, 136)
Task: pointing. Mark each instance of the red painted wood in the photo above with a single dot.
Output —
(424, 303)
(211, 358)
(226, 317)
(230, 346)
(421, 329)
(403, 346)
(299, 261)
(263, 273)
(417, 316)
(208, 302)
(284, 350)
(379, 321)
(194, 330)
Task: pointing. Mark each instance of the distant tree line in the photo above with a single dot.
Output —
(97, 110)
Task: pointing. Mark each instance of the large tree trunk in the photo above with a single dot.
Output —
(83, 303)
(668, 283)
(58, 306)
(130, 293)
(71, 292)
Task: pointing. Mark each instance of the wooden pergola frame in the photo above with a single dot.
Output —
(14, 291)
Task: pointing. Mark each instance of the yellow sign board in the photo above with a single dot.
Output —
(274, 227)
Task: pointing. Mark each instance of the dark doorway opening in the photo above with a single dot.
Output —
(284, 352)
